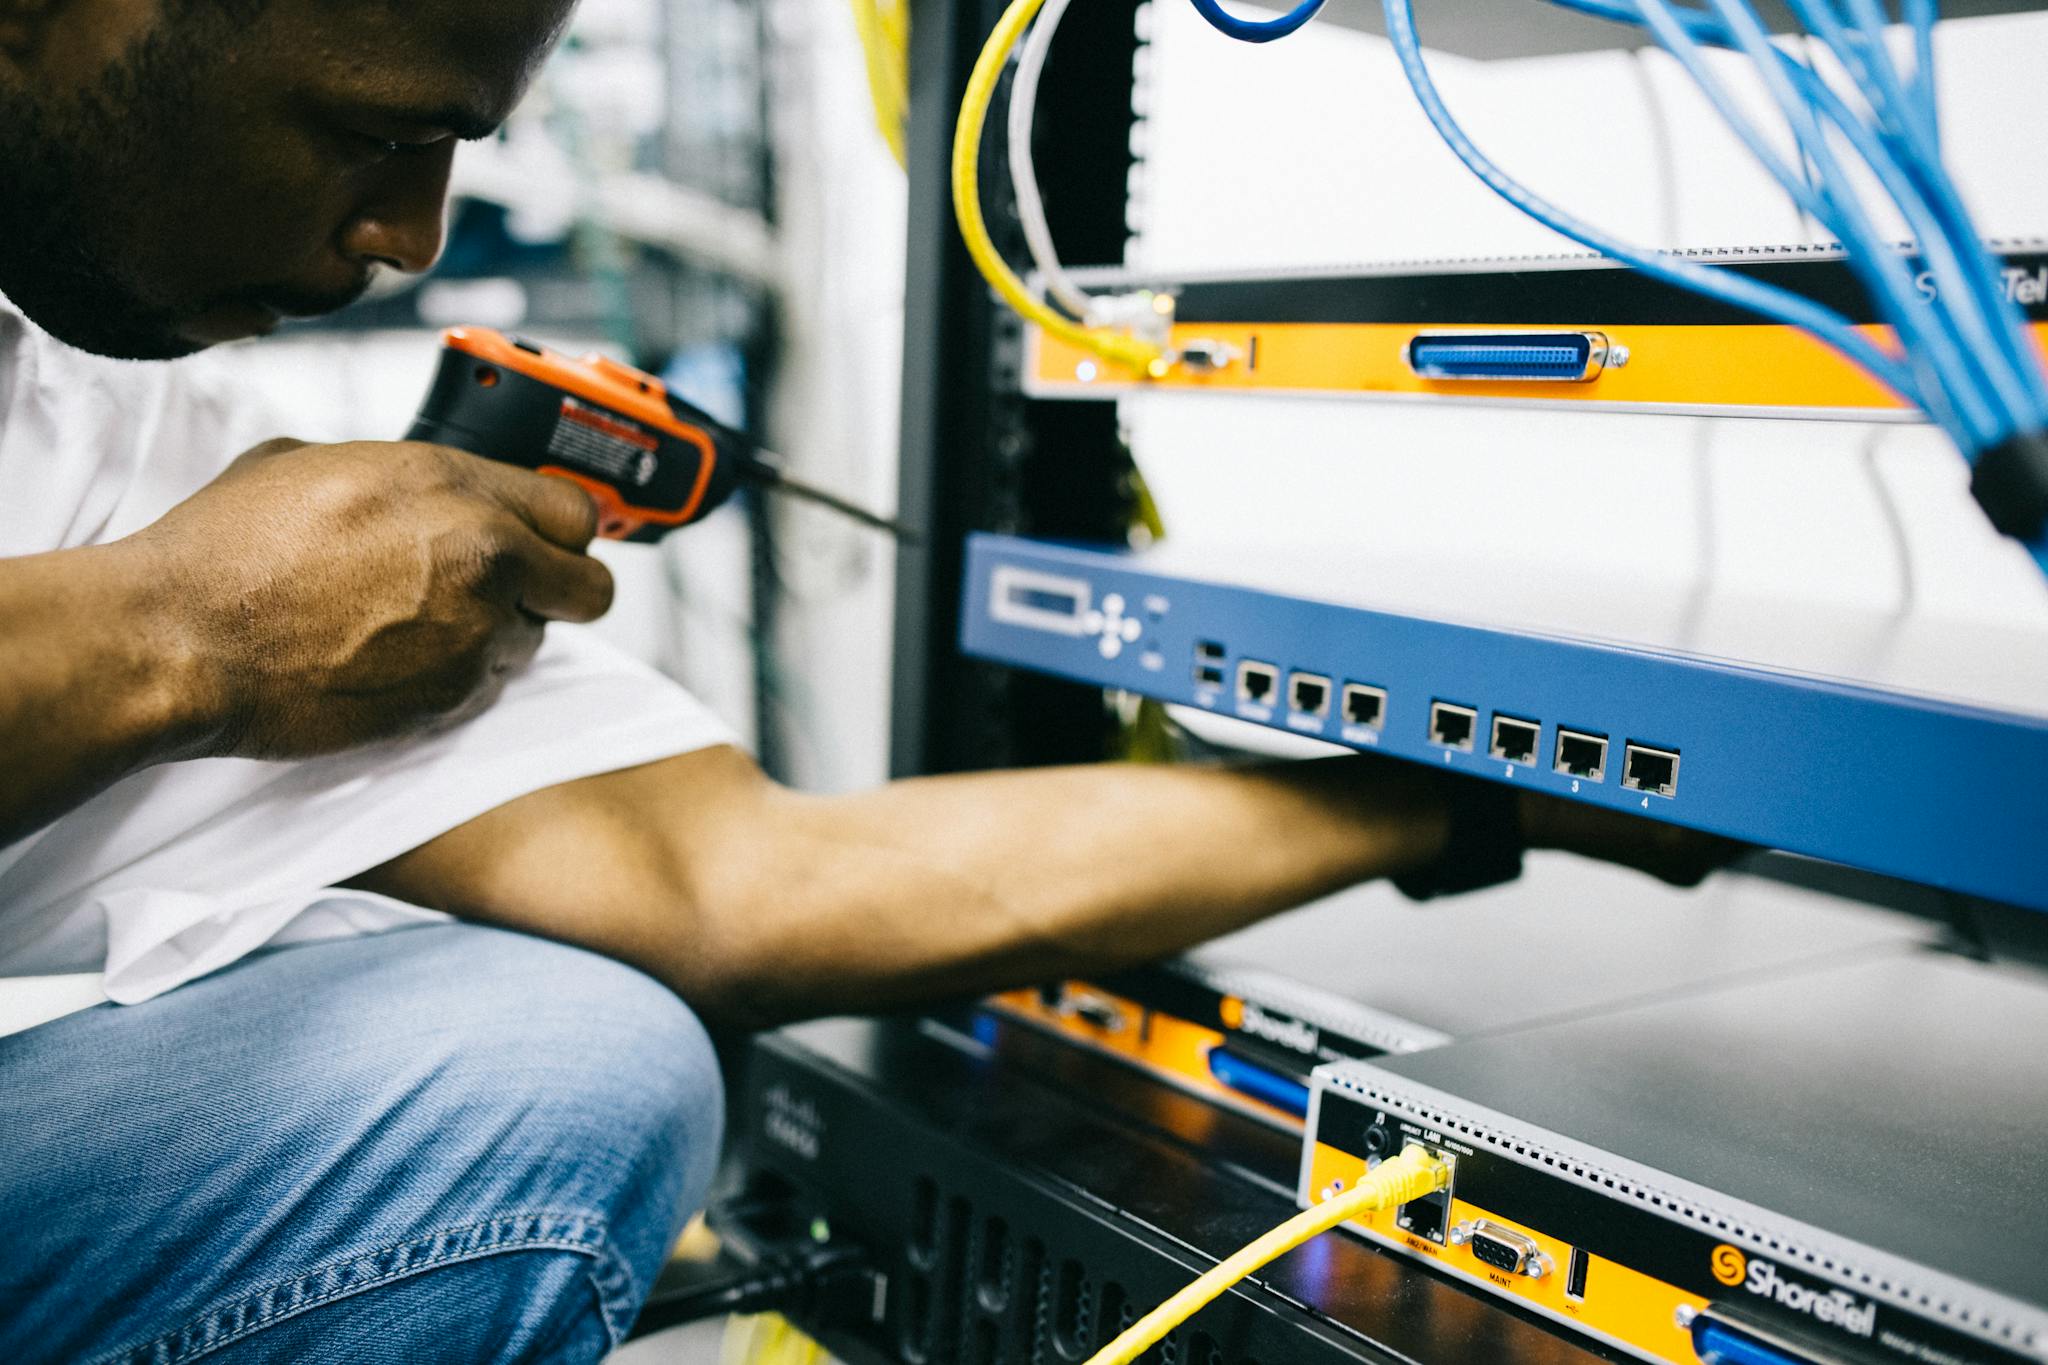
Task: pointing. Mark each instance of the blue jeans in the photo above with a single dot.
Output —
(445, 1143)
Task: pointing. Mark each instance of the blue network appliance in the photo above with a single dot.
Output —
(1943, 787)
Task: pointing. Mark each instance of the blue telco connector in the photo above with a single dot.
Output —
(1721, 1343)
(1567, 356)
(1260, 1082)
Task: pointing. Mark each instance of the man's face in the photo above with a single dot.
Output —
(178, 173)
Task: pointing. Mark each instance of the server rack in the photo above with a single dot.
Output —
(1000, 1214)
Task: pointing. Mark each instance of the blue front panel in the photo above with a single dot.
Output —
(1940, 794)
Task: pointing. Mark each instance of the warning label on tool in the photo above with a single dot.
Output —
(613, 448)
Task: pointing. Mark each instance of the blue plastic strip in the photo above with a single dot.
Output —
(1719, 1344)
(1260, 1082)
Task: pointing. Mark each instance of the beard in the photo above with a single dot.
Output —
(59, 220)
(75, 185)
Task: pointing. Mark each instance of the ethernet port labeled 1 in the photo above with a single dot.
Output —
(1257, 682)
(1581, 755)
(1646, 769)
(1514, 740)
(1309, 694)
(1451, 725)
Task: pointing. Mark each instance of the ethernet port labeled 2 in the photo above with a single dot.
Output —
(1514, 740)
(1452, 726)
(1645, 769)
(1581, 755)
(1308, 694)
(1365, 707)
(1257, 682)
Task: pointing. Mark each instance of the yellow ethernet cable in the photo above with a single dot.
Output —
(1408, 1176)
(884, 36)
(1143, 357)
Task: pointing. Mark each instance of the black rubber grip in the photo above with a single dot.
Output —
(2010, 482)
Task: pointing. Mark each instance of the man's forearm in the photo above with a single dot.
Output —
(94, 681)
(971, 882)
(759, 904)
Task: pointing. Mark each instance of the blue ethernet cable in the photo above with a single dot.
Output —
(1257, 30)
(2001, 330)
(1740, 291)
(1968, 293)
(2008, 451)
(1883, 271)
(1920, 16)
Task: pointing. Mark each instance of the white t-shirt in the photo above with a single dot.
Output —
(180, 869)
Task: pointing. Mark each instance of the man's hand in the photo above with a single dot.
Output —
(311, 599)
(350, 593)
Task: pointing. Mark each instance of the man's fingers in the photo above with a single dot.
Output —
(557, 509)
(561, 585)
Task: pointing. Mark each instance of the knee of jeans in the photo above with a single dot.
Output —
(590, 1077)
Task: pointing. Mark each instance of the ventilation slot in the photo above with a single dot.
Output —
(1072, 1312)
(992, 1281)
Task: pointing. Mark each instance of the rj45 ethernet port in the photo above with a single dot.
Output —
(1257, 682)
(1365, 706)
(1308, 694)
(1644, 769)
(1514, 741)
(1451, 725)
(1582, 755)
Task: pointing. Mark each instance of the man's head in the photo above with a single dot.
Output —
(177, 173)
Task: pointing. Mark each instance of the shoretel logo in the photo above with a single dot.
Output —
(1835, 1307)
(1288, 1033)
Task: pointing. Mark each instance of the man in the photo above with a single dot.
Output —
(252, 710)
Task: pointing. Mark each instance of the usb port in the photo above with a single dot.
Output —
(1575, 1274)
(1452, 725)
(1644, 769)
(1209, 651)
(1309, 694)
(1208, 675)
(1514, 741)
(1365, 706)
(1582, 755)
(1256, 682)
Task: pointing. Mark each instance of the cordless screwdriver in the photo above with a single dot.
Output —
(651, 462)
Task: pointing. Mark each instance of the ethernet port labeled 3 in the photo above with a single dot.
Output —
(1257, 682)
(1646, 769)
(1452, 725)
(1514, 740)
(1309, 694)
(1364, 706)
(1581, 755)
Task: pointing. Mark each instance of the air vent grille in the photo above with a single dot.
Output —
(973, 1288)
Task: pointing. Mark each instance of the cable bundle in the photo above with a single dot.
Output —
(1962, 351)
(1129, 330)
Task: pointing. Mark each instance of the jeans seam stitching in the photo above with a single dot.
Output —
(585, 1237)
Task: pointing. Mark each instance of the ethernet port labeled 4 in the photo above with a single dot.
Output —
(1309, 694)
(1452, 726)
(1647, 769)
(1257, 682)
(1364, 706)
(1514, 740)
(1581, 755)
